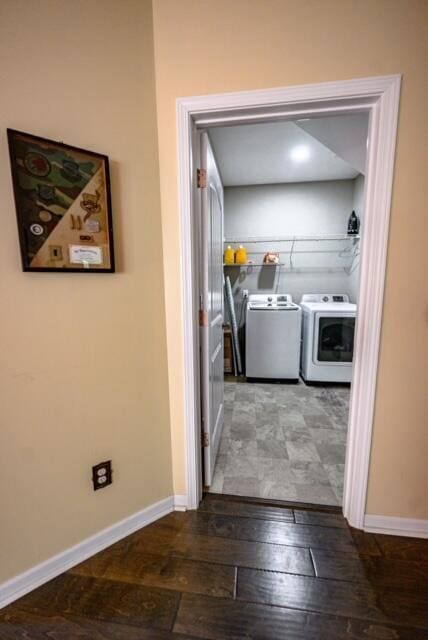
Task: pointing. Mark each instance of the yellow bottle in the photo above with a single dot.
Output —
(241, 255)
(229, 255)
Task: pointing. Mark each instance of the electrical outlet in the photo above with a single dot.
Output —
(102, 475)
(245, 293)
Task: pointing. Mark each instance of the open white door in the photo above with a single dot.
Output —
(212, 307)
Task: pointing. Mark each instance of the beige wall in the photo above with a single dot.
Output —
(207, 47)
(83, 357)
(83, 370)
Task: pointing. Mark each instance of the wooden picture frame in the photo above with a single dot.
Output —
(63, 205)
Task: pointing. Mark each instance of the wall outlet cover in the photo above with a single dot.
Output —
(102, 475)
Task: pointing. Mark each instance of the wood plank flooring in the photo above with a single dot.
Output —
(236, 569)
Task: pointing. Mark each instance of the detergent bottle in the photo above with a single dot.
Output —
(229, 255)
(241, 255)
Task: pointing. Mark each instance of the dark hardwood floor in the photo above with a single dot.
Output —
(236, 569)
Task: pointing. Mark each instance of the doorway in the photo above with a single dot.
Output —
(291, 270)
(379, 98)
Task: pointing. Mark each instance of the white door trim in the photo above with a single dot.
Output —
(379, 96)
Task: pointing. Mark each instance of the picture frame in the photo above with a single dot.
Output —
(63, 205)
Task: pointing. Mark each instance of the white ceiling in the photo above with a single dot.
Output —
(265, 153)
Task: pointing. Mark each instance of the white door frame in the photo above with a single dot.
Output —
(380, 97)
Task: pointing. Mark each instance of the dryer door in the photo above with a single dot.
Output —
(334, 338)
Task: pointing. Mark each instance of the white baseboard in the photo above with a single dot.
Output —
(181, 502)
(41, 573)
(396, 526)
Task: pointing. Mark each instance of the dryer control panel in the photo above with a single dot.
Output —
(325, 297)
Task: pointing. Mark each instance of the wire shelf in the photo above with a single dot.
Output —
(347, 252)
(254, 264)
(267, 240)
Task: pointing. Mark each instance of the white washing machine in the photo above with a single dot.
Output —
(328, 325)
(272, 337)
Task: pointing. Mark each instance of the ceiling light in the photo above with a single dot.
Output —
(300, 153)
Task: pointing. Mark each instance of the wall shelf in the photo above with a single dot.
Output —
(327, 238)
(345, 247)
(254, 264)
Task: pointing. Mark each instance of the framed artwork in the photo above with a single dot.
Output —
(63, 205)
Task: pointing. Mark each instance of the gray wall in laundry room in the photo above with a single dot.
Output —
(304, 208)
(358, 207)
(299, 208)
(311, 208)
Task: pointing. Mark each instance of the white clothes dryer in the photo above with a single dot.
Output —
(328, 325)
(272, 337)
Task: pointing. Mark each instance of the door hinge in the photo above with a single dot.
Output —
(203, 318)
(202, 178)
(206, 439)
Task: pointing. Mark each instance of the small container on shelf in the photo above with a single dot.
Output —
(353, 224)
(271, 258)
(241, 256)
(229, 255)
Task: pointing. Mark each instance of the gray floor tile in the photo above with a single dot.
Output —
(241, 448)
(335, 474)
(240, 467)
(264, 395)
(221, 461)
(267, 417)
(291, 419)
(271, 448)
(276, 471)
(217, 485)
(278, 491)
(265, 431)
(242, 487)
(338, 491)
(226, 429)
(297, 433)
(312, 409)
(332, 436)
(283, 441)
(309, 473)
(330, 453)
(244, 395)
(317, 494)
(242, 431)
(302, 450)
(320, 420)
(244, 412)
(225, 446)
(288, 408)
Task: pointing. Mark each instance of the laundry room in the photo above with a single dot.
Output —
(293, 223)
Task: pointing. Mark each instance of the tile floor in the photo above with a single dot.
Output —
(283, 441)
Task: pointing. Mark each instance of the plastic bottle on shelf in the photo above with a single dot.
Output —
(229, 255)
(241, 256)
(353, 224)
